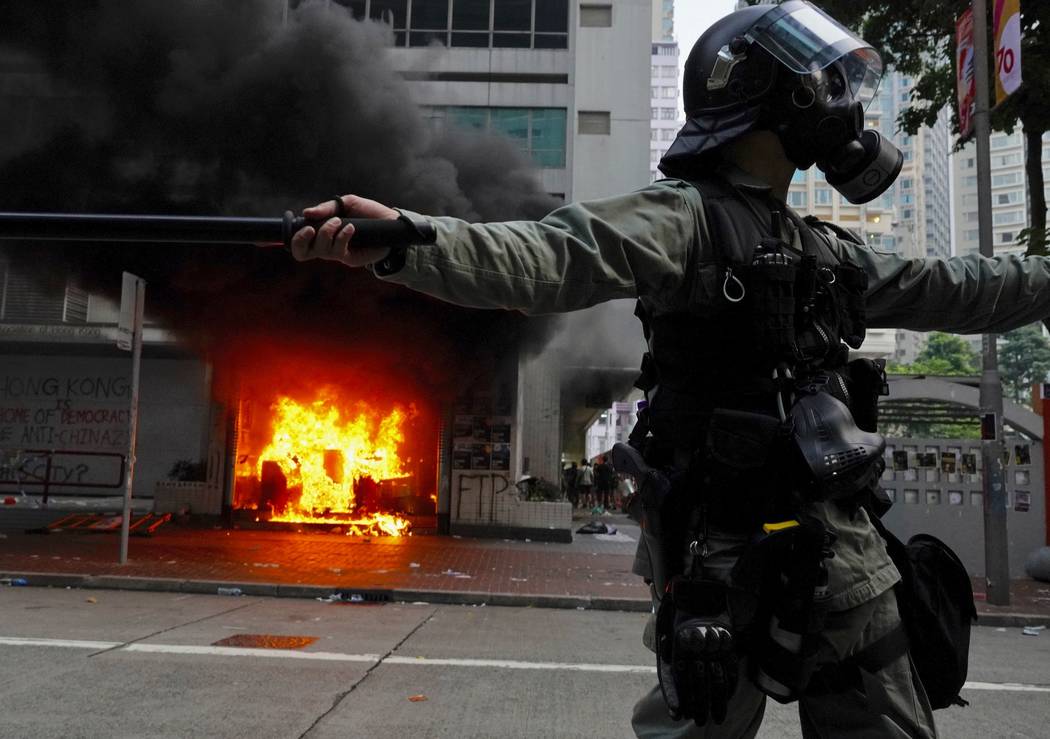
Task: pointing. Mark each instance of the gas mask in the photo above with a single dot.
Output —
(819, 121)
(818, 107)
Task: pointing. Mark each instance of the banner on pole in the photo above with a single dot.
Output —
(1006, 25)
(965, 79)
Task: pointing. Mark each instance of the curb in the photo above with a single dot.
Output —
(397, 595)
(368, 595)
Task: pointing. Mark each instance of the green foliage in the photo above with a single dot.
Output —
(944, 354)
(1024, 358)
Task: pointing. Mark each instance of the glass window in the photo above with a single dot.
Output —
(512, 15)
(470, 39)
(670, 71)
(654, 92)
(670, 92)
(552, 16)
(668, 114)
(1006, 237)
(548, 137)
(470, 117)
(668, 134)
(426, 38)
(470, 15)
(551, 41)
(654, 134)
(512, 122)
(511, 40)
(797, 199)
(429, 16)
(357, 7)
(389, 11)
(822, 196)
(1010, 216)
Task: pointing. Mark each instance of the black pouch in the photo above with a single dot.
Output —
(739, 451)
(866, 380)
(852, 284)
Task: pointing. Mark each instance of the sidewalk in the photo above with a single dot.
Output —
(594, 571)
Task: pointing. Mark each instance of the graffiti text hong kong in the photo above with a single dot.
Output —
(72, 388)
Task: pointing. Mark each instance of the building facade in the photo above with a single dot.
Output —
(664, 85)
(1011, 207)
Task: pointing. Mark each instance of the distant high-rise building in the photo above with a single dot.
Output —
(1010, 202)
(663, 95)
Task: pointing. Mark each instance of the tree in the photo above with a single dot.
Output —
(917, 38)
(944, 354)
(1024, 358)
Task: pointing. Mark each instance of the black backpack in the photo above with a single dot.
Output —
(935, 600)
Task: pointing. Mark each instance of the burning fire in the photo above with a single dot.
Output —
(324, 452)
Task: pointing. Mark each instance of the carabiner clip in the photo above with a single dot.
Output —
(827, 276)
(739, 284)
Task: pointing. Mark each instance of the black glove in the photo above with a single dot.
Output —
(697, 655)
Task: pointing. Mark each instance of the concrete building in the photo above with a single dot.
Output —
(665, 116)
(1010, 202)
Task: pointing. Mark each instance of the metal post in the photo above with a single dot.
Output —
(996, 560)
(136, 362)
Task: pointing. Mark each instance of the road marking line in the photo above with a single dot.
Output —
(16, 641)
(211, 651)
(1016, 687)
(248, 652)
(517, 665)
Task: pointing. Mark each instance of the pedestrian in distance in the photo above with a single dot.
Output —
(585, 484)
(769, 575)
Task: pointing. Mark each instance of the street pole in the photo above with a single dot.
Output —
(136, 362)
(996, 560)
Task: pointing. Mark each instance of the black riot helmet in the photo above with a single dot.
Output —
(793, 70)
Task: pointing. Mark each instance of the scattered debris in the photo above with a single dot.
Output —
(92, 599)
(265, 564)
(414, 565)
(336, 570)
(417, 698)
(519, 579)
(1032, 630)
(457, 574)
(229, 591)
(596, 527)
(14, 581)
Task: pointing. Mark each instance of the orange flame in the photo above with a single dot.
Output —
(324, 453)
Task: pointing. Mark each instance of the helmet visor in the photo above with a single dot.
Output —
(805, 40)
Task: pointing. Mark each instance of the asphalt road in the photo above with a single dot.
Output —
(76, 663)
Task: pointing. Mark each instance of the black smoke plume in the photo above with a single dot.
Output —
(243, 108)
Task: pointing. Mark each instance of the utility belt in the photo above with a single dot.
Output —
(755, 474)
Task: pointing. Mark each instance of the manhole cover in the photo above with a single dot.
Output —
(265, 641)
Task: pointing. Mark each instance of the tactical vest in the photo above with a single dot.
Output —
(760, 314)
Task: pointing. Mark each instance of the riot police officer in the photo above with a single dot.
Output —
(758, 443)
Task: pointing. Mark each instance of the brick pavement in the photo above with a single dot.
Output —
(590, 572)
(587, 568)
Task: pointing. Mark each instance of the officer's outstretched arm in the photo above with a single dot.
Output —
(967, 295)
(577, 256)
